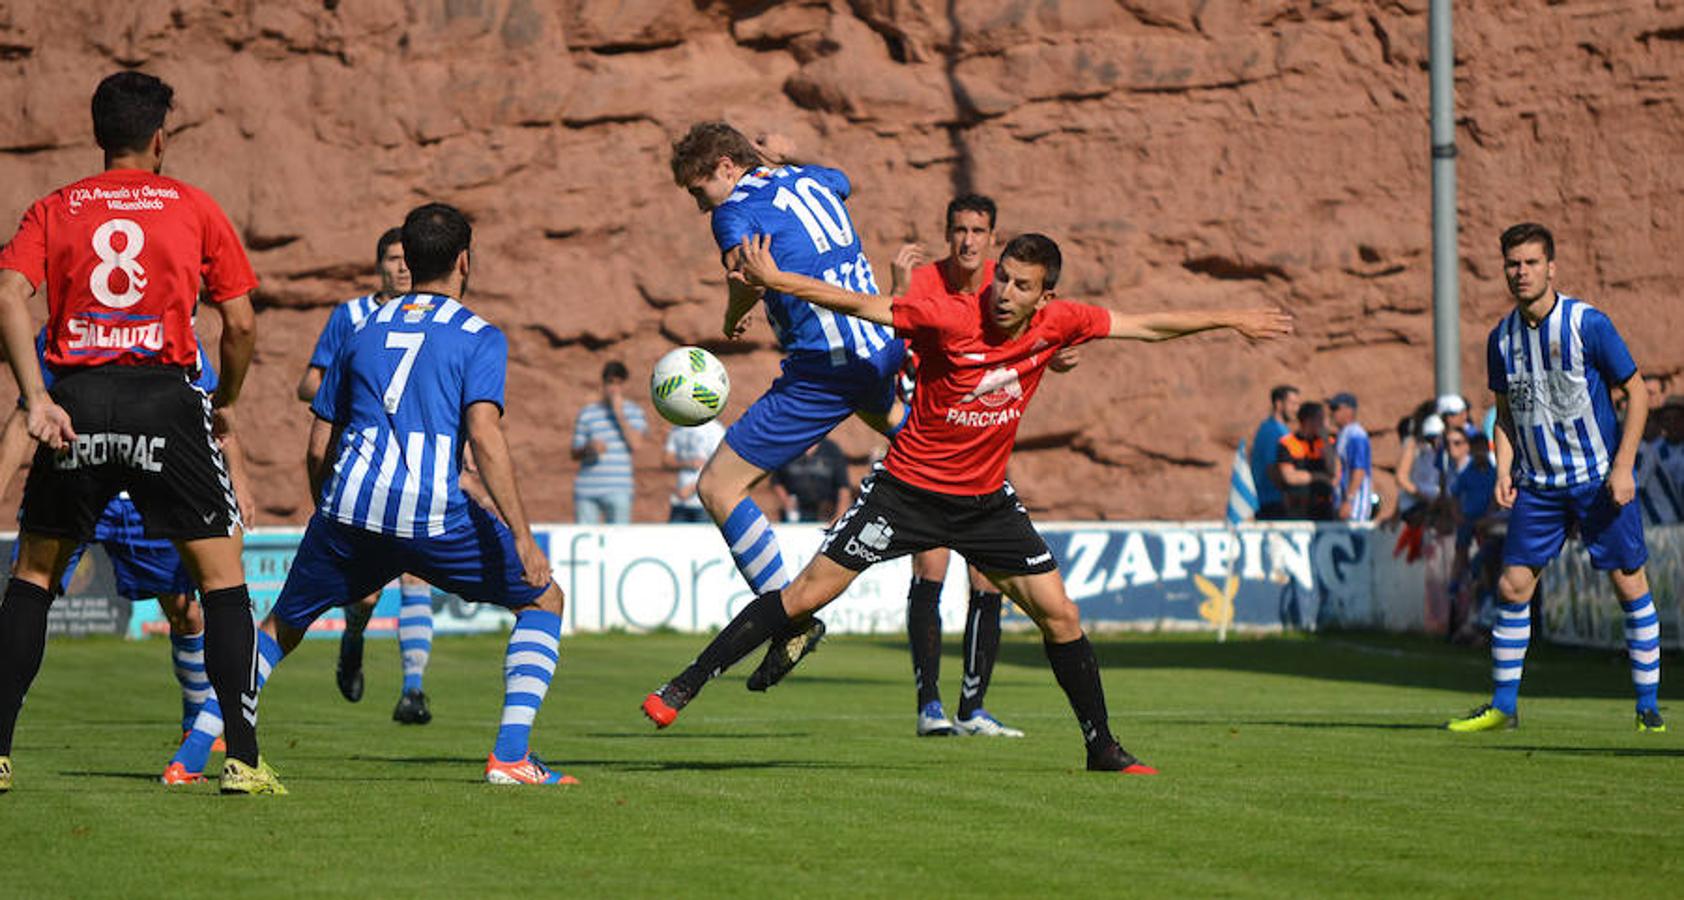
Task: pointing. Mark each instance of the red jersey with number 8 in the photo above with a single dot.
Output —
(124, 255)
(973, 384)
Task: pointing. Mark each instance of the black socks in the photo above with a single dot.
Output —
(982, 647)
(923, 632)
(1077, 671)
(23, 641)
(231, 667)
(759, 622)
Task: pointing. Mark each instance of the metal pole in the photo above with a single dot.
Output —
(1447, 366)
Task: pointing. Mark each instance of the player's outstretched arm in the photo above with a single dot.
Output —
(497, 473)
(47, 422)
(756, 267)
(1257, 324)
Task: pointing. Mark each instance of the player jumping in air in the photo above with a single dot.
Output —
(417, 381)
(415, 611)
(835, 365)
(124, 255)
(1563, 458)
(982, 355)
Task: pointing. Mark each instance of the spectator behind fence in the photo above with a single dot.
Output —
(1660, 465)
(814, 487)
(1265, 445)
(1418, 472)
(1306, 469)
(687, 450)
(604, 436)
(1356, 461)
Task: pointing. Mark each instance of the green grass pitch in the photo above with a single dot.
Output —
(1291, 767)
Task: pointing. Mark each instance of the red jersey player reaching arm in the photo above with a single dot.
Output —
(943, 483)
(124, 255)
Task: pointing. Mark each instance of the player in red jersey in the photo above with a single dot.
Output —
(125, 255)
(982, 355)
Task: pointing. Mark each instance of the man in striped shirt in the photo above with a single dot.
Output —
(604, 436)
(416, 381)
(1563, 459)
(415, 611)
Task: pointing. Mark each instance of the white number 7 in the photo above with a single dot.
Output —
(410, 343)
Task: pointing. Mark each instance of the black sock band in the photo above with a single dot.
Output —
(982, 647)
(231, 666)
(759, 622)
(923, 632)
(1077, 671)
(23, 642)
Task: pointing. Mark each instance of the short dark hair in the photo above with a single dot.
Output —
(388, 238)
(1309, 411)
(615, 370)
(696, 153)
(1280, 392)
(128, 108)
(1036, 250)
(1526, 233)
(971, 203)
(433, 236)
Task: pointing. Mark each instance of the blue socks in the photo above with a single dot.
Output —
(195, 751)
(528, 666)
(1643, 647)
(415, 632)
(754, 548)
(188, 654)
(1509, 638)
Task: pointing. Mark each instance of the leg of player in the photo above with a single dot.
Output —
(768, 616)
(923, 634)
(528, 667)
(187, 652)
(415, 643)
(231, 655)
(982, 647)
(1643, 644)
(1509, 639)
(348, 674)
(1043, 598)
(23, 630)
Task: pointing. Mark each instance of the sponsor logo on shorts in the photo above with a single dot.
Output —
(137, 451)
(872, 540)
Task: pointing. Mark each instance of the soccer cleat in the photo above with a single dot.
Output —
(239, 778)
(662, 706)
(412, 709)
(1113, 758)
(349, 672)
(1650, 720)
(530, 770)
(782, 656)
(177, 774)
(933, 722)
(1484, 717)
(981, 724)
(5, 774)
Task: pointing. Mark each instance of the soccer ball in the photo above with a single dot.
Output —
(690, 386)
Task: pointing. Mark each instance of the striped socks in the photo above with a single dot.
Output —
(194, 752)
(187, 652)
(528, 666)
(754, 548)
(1509, 638)
(1643, 647)
(415, 632)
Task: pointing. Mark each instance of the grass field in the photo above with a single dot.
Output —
(1291, 767)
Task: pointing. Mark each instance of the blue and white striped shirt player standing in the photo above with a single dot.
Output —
(1564, 460)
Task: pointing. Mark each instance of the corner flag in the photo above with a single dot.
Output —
(1242, 492)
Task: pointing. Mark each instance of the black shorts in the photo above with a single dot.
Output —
(892, 519)
(141, 429)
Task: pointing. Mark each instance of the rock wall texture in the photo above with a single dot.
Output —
(1185, 152)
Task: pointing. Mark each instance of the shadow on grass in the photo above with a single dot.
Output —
(686, 735)
(716, 765)
(1660, 752)
(1281, 723)
(119, 776)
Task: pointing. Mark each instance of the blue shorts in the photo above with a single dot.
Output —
(338, 564)
(1538, 525)
(809, 400)
(144, 567)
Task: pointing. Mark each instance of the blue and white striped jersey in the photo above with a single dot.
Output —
(399, 389)
(1356, 455)
(340, 324)
(1557, 377)
(812, 234)
(609, 472)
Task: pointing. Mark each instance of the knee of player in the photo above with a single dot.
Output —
(1629, 584)
(552, 600)
(1516, 584)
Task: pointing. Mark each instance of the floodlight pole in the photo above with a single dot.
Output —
(1447, 365)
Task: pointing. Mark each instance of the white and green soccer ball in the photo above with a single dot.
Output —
(690, 386)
